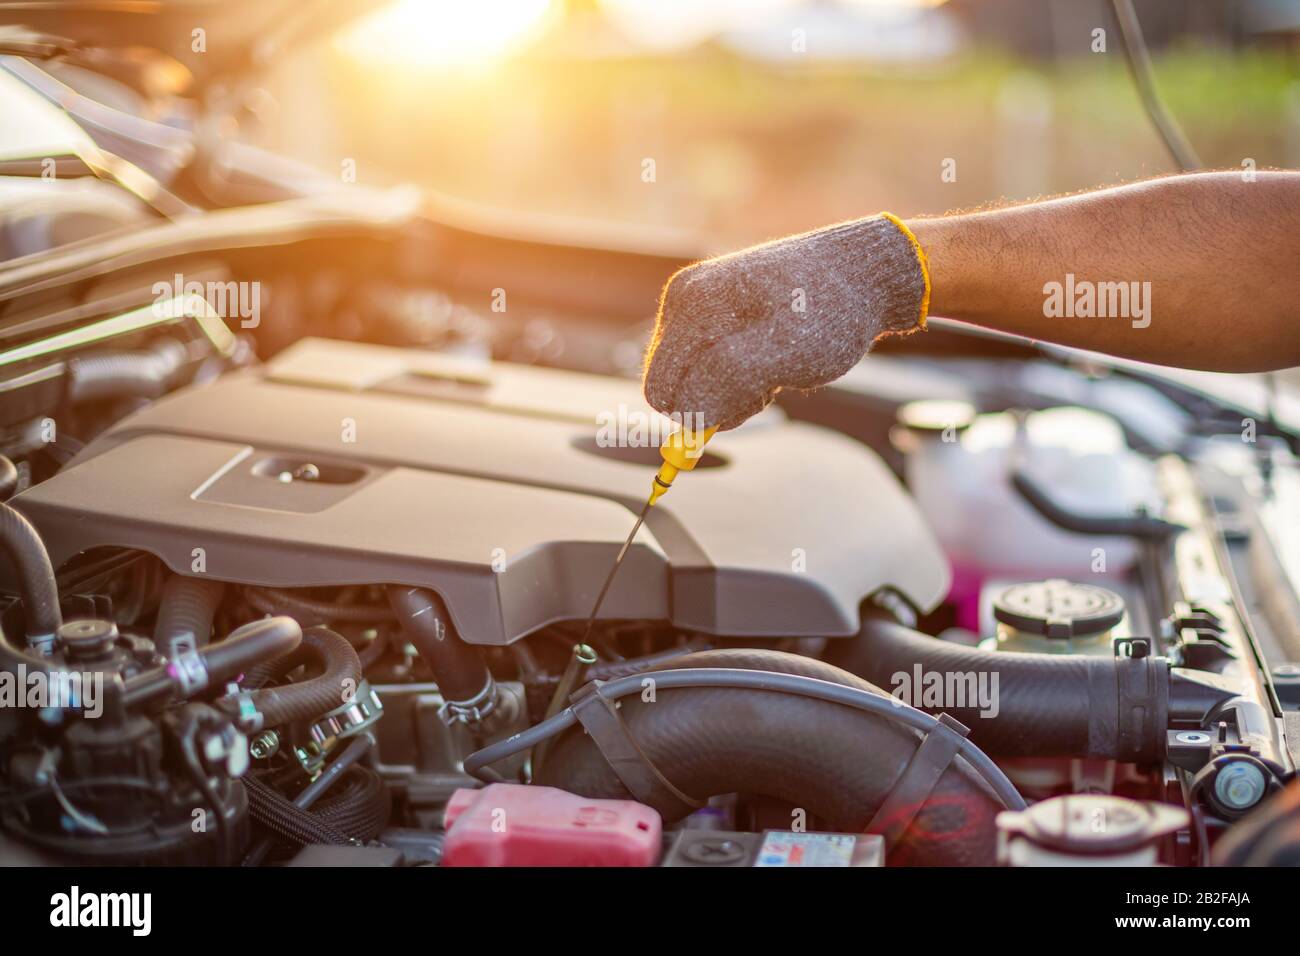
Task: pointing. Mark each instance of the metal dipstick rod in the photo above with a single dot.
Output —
(681, 452)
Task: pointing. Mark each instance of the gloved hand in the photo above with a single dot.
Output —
(795, 313)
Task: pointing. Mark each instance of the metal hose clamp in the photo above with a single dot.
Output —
(473, 710)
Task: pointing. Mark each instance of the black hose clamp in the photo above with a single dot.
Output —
(918, 780)
(599, 716)
(1141, 700)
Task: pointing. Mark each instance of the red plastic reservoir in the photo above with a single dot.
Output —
(509, 824)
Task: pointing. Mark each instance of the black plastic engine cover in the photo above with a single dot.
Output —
(486, 483)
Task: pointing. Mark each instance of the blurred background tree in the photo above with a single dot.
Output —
(766, 116)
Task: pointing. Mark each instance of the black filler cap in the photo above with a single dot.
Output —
(1059, 608)
(87, 640)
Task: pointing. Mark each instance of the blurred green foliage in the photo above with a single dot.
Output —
(743, 150)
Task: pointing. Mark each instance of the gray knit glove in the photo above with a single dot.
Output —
(795, 313)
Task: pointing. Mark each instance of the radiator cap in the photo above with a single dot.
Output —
(1059, 609)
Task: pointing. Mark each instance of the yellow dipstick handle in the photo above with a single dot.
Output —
(681, 451)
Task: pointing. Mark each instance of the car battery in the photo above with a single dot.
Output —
(775, 848)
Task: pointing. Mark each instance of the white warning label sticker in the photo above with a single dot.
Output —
(806, 849)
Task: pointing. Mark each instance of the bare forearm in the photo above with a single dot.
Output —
(1200, 271)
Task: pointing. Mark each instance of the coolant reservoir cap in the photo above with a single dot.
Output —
(936, 415)
(1058, 608)
(1092, 823)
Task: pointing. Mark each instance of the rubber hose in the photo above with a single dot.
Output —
(341, 672)
(837, 763)
(1047, 705)
(249, 643)
(186, 613)
(310, 611)
(36, 583)
(264, 672)
(125, 374)
(255, 641)
(458, 668)
(1141, 526)
(259, 675)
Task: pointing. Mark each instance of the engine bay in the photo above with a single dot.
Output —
(331, 607)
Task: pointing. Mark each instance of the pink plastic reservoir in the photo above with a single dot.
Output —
(507, 824)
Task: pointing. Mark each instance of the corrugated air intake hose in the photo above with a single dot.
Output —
(185, 614)
(144, 374)
(837, 763)
(1048, 705)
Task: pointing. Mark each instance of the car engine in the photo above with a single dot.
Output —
(329, 609)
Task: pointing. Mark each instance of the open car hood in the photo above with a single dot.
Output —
(238, 36)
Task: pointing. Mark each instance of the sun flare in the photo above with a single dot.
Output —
(438, 34)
